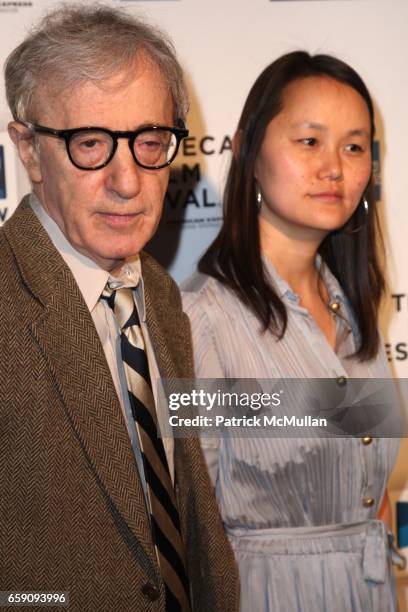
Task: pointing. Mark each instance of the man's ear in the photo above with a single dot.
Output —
(24, 139)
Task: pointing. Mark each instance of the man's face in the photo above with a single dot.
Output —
(111, 213)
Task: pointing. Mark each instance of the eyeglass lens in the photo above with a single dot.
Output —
(93, 148)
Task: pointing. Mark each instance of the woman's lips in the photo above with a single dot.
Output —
(327, 195)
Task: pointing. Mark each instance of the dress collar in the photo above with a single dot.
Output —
(286, 293)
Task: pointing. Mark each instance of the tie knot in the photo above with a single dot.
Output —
(121, 301)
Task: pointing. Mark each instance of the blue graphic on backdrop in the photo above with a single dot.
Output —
(3, 192)
(402, 523)
(12, 7)
(377, 169)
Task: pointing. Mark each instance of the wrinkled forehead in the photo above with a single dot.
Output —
(131, 85)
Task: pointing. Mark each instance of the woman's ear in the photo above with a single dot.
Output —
(27, 148)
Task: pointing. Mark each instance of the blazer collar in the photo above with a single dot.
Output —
(40, 266)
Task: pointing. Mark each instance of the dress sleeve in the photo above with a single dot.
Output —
(207, 364)
(207, 357)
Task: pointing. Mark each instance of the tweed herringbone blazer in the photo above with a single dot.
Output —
(72, 510)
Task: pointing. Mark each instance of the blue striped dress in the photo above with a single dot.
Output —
(300, 513)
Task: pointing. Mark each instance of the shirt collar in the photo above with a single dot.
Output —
(332, 284)
(90, 278)
(284, 290)
(280, 285)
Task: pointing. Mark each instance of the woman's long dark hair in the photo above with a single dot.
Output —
(351, 253)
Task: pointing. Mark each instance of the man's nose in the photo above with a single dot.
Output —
(331, 165)
(123, 174)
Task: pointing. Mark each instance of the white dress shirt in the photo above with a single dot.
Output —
(91, 280)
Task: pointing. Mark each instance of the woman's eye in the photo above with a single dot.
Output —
(354, 148)
(309, 142)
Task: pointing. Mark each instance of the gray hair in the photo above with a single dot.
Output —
(76, 43)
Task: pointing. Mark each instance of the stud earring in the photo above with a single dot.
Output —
(258, 196)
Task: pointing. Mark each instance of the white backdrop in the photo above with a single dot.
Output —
(223, 45)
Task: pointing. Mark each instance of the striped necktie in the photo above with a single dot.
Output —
(165, 520)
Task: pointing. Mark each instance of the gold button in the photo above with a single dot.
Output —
(367, 440)
(368, 502)
(341, 381)
(334, 306)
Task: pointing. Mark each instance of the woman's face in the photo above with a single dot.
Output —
(315, 159)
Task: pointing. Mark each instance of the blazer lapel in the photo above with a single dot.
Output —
(168, 326)
(170, 332)
(68, 340)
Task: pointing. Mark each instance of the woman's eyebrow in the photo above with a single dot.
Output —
(312, 125)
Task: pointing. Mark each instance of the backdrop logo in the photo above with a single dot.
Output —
(192, 201)
(123, 1)
(3, 192)
(193, 211)
(398, 350)
(377, 169)
(10, 6)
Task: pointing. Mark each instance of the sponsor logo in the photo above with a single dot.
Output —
(377, 169)
(192, 211)
(191, 200)
(398, 350)
(123, 1)
(10, 6)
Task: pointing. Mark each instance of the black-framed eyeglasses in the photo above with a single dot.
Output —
(91, 148)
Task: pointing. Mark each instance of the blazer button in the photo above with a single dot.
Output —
(341, 381)
(150, 591)
(367, 440)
